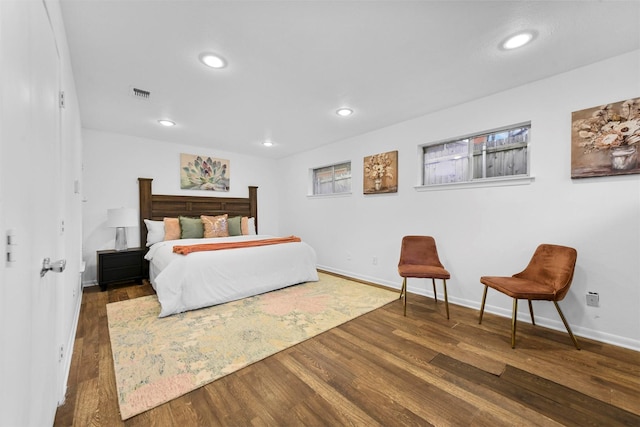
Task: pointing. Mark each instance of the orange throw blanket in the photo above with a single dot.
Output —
(187, 249)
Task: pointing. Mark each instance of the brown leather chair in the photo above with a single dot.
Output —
(547, 277)
(419, 258)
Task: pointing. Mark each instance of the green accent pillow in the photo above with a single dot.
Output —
(191, 228)
(234, 226)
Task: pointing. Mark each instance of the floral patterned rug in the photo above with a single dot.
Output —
(157, 360)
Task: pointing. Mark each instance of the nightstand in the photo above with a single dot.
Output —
(120, 266)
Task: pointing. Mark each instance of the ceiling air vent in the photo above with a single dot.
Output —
(140, 93)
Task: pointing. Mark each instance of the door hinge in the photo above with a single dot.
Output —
(61, 99)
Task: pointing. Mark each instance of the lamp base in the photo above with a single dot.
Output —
(121, 239)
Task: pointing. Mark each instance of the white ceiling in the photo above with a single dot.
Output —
(293, 63)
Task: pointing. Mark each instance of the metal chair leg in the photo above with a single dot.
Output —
(403, 288)
(533, 321)
(435, 294)
(446, 298)
(404, 292)
(566, 325)
(484, 298)
(514, 317)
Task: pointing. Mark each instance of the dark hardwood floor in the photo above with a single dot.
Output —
(380, 369)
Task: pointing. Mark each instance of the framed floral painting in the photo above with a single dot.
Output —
(605, 140)
(381, 173)
(203, 173)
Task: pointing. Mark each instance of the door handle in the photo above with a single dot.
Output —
(57, 266)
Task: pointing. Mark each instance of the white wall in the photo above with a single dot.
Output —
(114, 162)
(491, 231)
(40, 162)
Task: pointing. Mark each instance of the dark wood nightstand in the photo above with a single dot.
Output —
(120, 266)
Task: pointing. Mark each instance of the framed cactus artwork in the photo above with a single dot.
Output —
(203, 173)
(605, 140)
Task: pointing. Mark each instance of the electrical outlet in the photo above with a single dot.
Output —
(375, 260)
(61, 355)
(593, 299)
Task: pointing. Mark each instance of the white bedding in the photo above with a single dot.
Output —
(201, 279)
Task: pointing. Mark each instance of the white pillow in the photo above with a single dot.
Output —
(252, 226)
(155, 231)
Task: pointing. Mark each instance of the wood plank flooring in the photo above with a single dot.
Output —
(381, 369)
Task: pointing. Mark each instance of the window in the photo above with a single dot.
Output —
(498, 153)
(332, 179)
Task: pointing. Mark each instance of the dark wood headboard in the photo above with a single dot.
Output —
(157, 206)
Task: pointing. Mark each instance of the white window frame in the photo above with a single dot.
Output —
(470, 182)
(333, 193)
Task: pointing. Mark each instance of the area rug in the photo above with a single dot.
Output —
(159, 359)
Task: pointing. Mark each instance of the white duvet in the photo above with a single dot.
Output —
(201, 279)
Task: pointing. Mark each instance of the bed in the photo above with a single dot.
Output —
(204, 278)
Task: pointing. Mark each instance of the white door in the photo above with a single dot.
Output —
(30, 211)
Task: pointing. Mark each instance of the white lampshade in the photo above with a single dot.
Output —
(122, 217)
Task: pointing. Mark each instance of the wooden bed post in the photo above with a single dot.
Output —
(253, 199)
(144, 187)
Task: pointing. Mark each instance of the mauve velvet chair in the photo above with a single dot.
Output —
(547, 277)
(419, 258)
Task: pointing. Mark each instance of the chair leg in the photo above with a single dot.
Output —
(404, 292)
(566, 325)
(403, 288)
(533, 321)
(484, 298)
(446, 298)
(514, 317)
(435, 294)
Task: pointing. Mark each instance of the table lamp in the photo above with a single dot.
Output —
(121, 218)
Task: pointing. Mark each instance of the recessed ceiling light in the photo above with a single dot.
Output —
(212, 60)
(267, 143)
(344, 111)
(517, 40)
(167, 123)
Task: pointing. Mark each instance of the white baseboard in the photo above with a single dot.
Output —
(375, 280)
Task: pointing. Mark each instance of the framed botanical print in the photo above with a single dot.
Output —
(605, 140)
(381, 173)
(203, 173)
